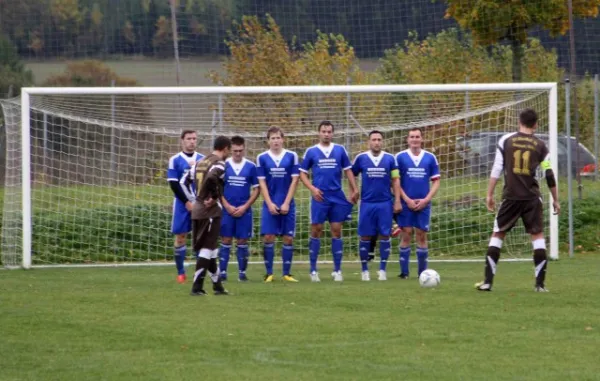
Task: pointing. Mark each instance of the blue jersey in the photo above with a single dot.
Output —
(327, 164)
(376, 175)
(240, 178)
(179, 166)
(278, 171)
(416, 172)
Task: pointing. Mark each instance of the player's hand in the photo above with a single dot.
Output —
(285, 208)
(412, 205)
(397, 206)
(490, 204)
(209, 202)
(556, 206)
(421, 204)
(239, 211)
(189, 206)
(317, 194)
(354, 197)
(273, 209)
(230, 209)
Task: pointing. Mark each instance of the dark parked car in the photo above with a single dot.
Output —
(479, 149)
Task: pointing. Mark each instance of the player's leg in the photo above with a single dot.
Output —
(367, 228)
(318, 215)
(287, 249)
(269, 228)
(384, 229)
(508, 214)
(405, 221)
(337, 214)
(421, 229)
(211, 242)
(533, 219)
(243, 231)
(372, 248)
(227, 230)
(181, 226)
(199, 228)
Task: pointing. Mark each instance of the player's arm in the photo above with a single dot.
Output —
(264, 189)
(395, 175)
(304, 168)
(497, 169)
(212, 183)
(175, 185)
(285, 207)
(347, 166)
(184, 185)
(551, 181)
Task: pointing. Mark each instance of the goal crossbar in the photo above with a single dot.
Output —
(27, 92)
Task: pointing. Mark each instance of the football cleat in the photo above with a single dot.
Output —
(290, 278)
(198, 293)
(541, 289)
(403, 276)
(181, 278)
(242, 277)
(365, 276)
(268, 278)
(337, 276)
(482, 286)
(314, 277)
(381, 275)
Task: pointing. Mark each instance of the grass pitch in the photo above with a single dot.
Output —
(138, 323)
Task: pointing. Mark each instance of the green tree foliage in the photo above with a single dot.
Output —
(492, 21)
(12, 71)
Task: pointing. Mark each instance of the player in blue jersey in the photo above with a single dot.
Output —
(240, 192)
(379, 174)
(418, 168)
(278, 172)
(181, 223)
(327, 161)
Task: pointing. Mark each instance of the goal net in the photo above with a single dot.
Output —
(85, 179)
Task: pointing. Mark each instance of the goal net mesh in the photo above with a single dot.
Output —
(98, 165)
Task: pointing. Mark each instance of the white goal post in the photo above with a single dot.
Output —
(492, 110)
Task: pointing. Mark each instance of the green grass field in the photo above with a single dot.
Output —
(138, 323)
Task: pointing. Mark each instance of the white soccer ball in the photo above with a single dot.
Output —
(429, 278)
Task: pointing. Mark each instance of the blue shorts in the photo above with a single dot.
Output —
(237, 227)
(280, 224)
(181, 222)
(375, 218)
(334, 208)
(410, 219)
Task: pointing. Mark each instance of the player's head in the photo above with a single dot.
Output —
(237, 148)
(415, 138)
(275, 138)
(528, 118)
(189, 139)
(326, 132)
(375, 141)
(222, 147)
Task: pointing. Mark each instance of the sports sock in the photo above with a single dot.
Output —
(180, 253)
(224, 253)
(287, 253)
(242, 258)
(364, 254)
(384, 253)
(404, 259)
(269, 255)
(422, 255)
(337, 251)
(314, 246)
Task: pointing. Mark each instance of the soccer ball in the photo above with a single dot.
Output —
(429, 278)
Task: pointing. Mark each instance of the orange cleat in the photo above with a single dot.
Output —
(396, 230)
(181, 278)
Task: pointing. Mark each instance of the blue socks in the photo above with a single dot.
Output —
(404, 259)
(422, 254)
(269, 255)
(180, 259)
(314, 247)
(384, 253)
(364, 247)
(224, 253)
(242, 258)
(337, 251)
(287, 252)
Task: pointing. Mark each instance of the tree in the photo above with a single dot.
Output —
(492, 21)
(12, 71)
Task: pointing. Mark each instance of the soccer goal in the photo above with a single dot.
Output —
(85, 177)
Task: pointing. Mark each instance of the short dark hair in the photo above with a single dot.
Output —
(416, 129)
(528, 118)
(326, 123)
(274, 130)
(221, 142)
(237, 140)
(185, 132)
(375, 132)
